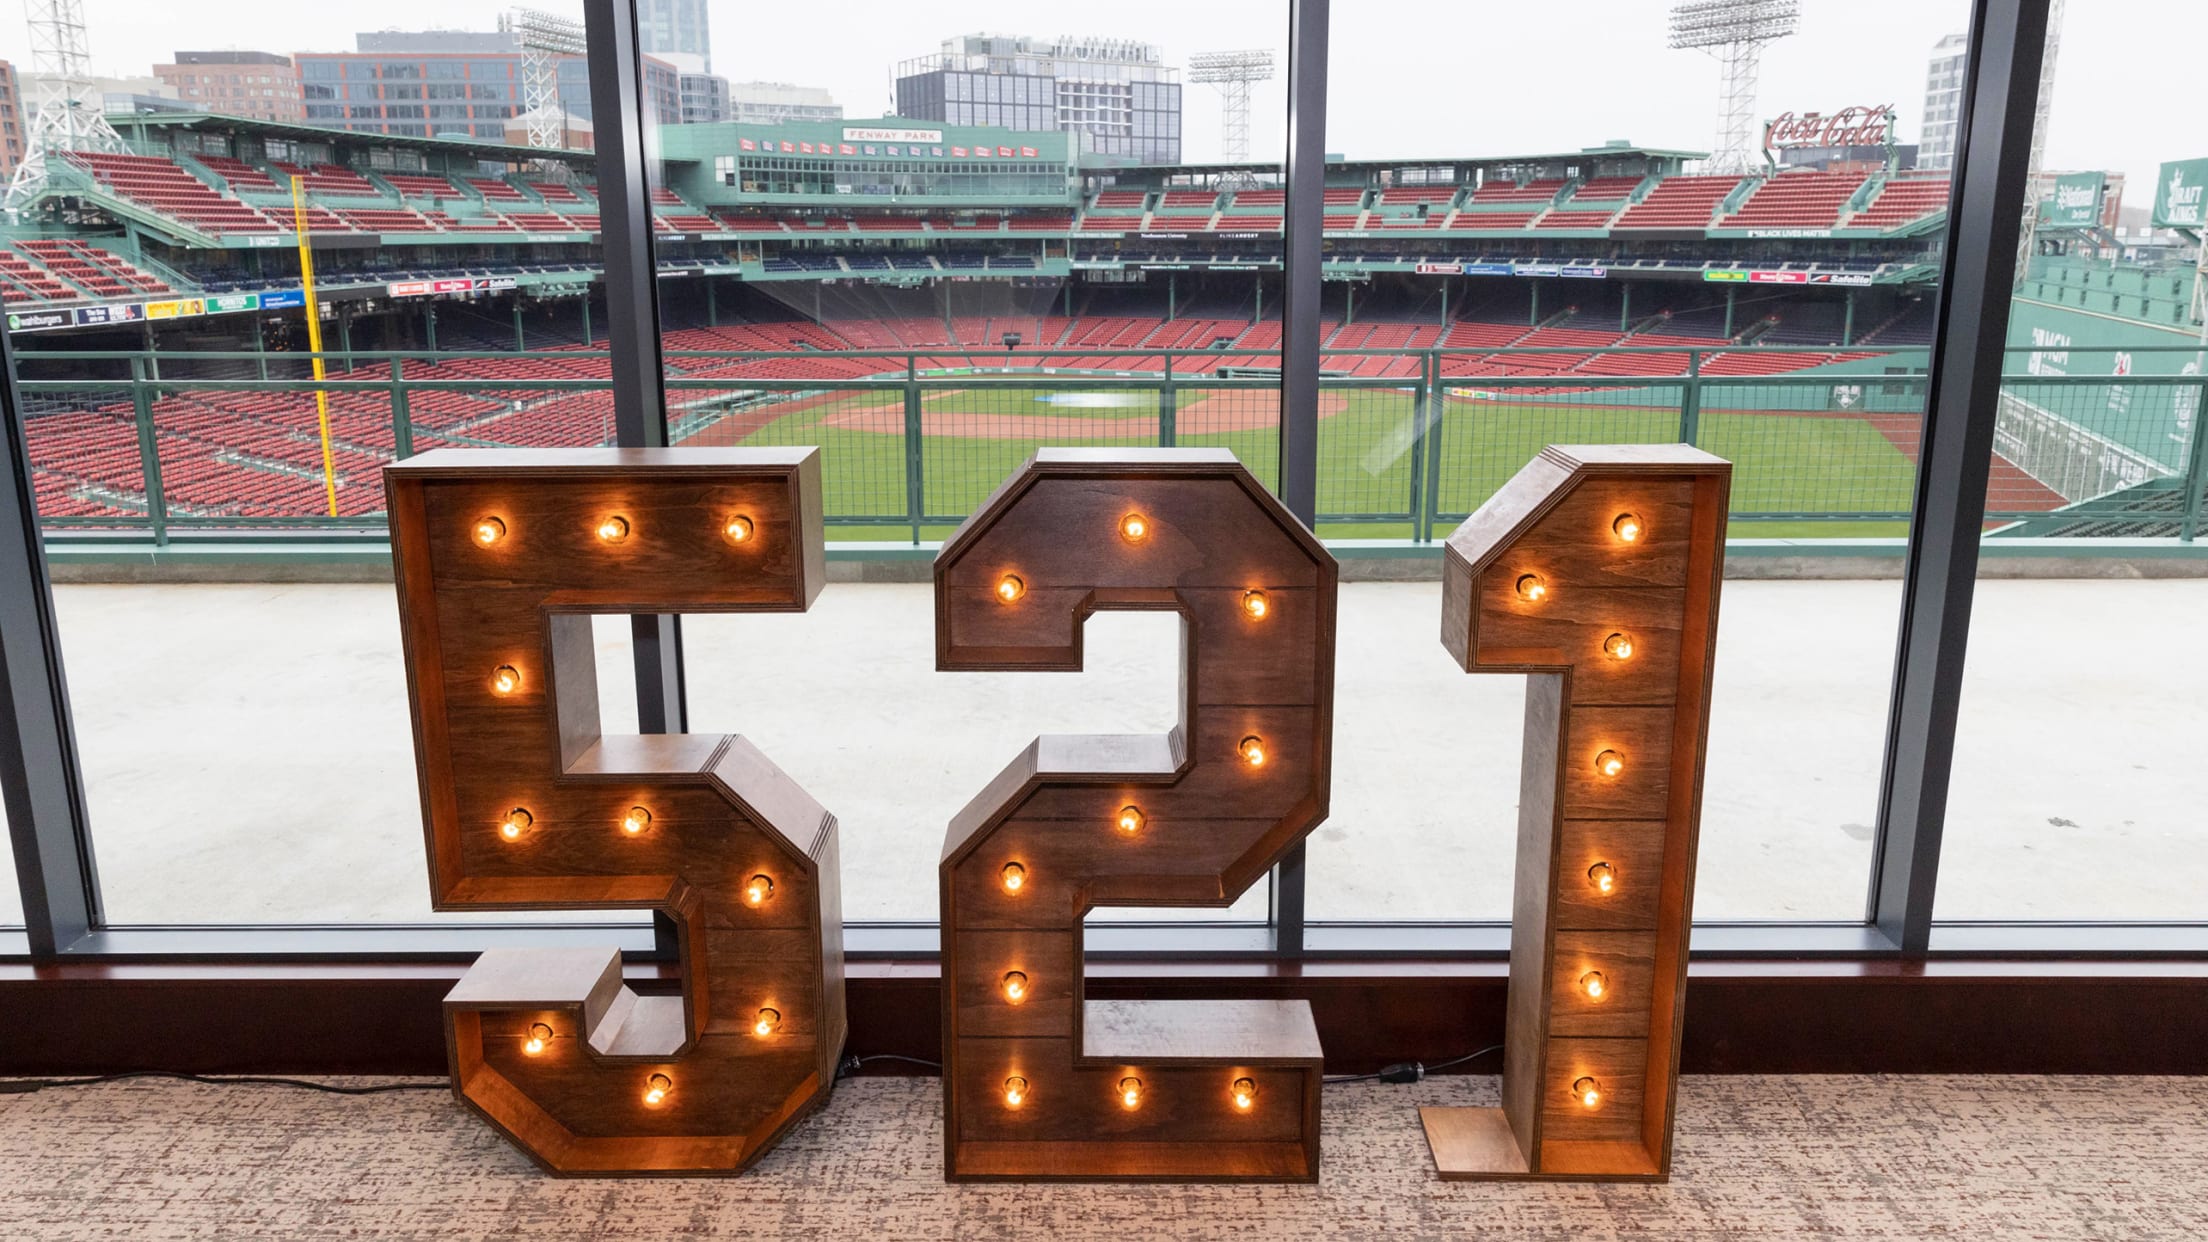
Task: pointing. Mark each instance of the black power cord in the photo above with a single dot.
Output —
(1412, 1071)
(851, 1065)
(25, 1086)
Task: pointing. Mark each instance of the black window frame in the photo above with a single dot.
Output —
(42, 782)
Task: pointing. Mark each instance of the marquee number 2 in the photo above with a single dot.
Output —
(1039, 1081)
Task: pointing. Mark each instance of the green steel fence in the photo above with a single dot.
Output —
(1410, 441)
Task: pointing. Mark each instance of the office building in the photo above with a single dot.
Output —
(422, 83)
(261, 85)
(1118, 94)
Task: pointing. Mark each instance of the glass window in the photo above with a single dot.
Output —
(958, 258)
(2077, 792)
(247, 749)
(1559, 313)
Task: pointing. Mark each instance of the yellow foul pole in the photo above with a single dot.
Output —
(314, 335)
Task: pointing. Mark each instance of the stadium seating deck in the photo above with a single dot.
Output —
(1411, 195)
(1492, 219)
(239, 175)
(1808, 200)
(330, 180)
(414, 185)
(1679, 203)
(1596, 219)
(1903, 200)
(163, 186)
(1605, 189)
(22, 280)
(1540, 190)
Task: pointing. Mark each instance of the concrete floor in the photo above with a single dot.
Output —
(249, 760)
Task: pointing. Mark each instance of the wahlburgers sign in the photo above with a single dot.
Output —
(2178, 199)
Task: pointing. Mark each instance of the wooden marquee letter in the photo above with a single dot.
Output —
(502, 557)
(1595, 570)
(1040, 1083)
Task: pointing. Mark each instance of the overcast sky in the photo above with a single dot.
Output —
(1465, 77)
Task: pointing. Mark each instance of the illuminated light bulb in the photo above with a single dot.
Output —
(614, 529)
(1532, 589)
(758, 890)
(1130, 1092)
(1134, 528)
(1587, 1091)
(739, 529)
(656, 1089)
(1245, 1092)
(768, 1020)
(1255, 604)
(489, 530)
(539, 1036)
(636, 821)
(1618, 646)
(1253, 751)
(1015, 986)
(1594, 985)
(1010, 588)
(505, 679)
(1628, 528)
(1603, 876)
(517, 821)
(1015, 1092)
(1609, 763)
(1014, 876)
(1131, 819)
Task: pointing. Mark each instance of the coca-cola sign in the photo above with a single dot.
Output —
(1849, 127)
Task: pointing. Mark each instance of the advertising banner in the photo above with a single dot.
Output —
(2075, 203)
(181, 308)
(100, 316)
(287, 298)
(38, 321)
(225, 303)
(2178, 198)
(1855, 126)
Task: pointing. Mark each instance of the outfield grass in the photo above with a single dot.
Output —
(1783, 463)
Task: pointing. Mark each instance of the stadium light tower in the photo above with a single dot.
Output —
(66, 116)
(1233, 73)
(1734, 31)
(543, 37)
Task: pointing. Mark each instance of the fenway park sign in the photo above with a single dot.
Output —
(1849, 127)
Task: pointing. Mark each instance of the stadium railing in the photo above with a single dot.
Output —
(208, 446)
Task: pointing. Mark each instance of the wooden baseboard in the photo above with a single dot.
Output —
(1824, 1017)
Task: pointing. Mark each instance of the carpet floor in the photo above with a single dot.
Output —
(1757, 1157)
